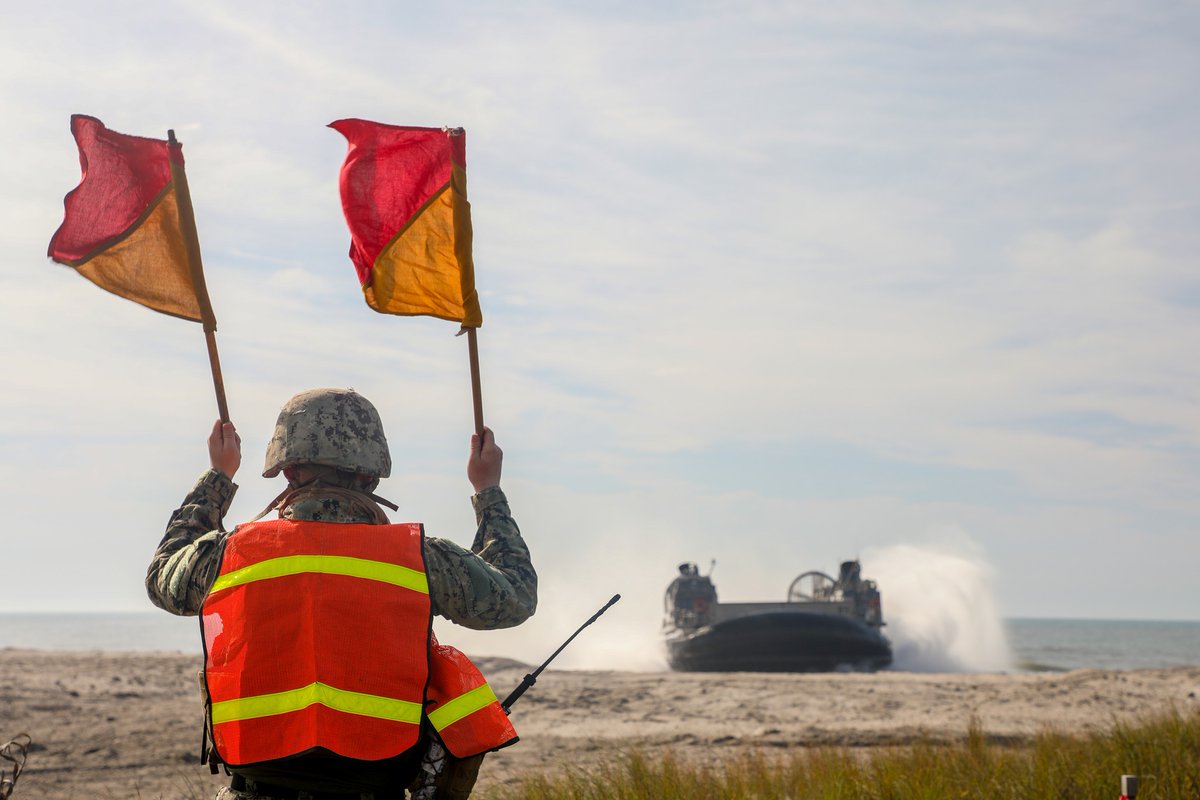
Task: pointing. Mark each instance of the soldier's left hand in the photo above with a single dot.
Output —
(486, 461)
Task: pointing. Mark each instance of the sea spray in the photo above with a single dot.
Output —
(940, 612)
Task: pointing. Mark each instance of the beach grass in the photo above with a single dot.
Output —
(1164, 751)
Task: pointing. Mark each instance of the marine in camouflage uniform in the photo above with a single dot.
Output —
(330, 445)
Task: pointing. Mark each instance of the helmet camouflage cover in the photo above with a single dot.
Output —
(332, 427)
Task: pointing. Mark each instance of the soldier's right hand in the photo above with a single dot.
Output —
(483, 467)
(225, 448)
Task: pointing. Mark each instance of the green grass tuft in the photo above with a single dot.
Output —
(1165, 751)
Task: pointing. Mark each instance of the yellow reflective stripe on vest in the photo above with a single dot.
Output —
(328, 565)
(464, 705)
(266, 705)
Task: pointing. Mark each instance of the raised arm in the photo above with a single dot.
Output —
(492, 585)
(187, 558)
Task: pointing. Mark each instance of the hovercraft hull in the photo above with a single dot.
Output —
(780, 641)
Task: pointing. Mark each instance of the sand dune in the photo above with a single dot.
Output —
(126, 725)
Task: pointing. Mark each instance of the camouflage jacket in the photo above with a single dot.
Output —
(492, 585)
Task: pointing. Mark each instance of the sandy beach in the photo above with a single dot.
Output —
(127, 725)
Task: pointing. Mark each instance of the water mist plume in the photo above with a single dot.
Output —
(940, 612)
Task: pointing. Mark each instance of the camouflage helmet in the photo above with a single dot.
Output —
(332, 427)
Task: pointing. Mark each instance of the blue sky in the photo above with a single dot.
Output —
(768, 283)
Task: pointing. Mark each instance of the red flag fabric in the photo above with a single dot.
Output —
(124, 224)
(404, 194)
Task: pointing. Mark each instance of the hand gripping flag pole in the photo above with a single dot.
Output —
(404, 194)
(129, 228)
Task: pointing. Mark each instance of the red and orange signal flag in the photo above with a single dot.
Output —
(129, 227)
(404, 193)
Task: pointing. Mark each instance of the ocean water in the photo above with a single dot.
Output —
(1036, 644)
(135, 630)
(1063, 644)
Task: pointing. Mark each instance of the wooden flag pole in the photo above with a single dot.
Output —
(214, 363)
(187, 222)
(476, 391)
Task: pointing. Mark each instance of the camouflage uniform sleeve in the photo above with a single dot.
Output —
(492, 585)
(187, 558)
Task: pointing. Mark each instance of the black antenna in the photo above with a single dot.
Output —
(531, 678)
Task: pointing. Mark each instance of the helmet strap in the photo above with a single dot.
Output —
(317, 486)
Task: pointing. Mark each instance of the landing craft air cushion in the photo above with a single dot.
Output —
(825, 625)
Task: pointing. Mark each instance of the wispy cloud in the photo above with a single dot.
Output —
(931, 265)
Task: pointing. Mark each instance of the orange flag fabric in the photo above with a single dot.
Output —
(127, 222)
(404, 193)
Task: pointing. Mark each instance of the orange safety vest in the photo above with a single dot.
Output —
(462, 707)
(318, 634)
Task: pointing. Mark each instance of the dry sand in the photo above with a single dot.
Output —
(127, 725)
